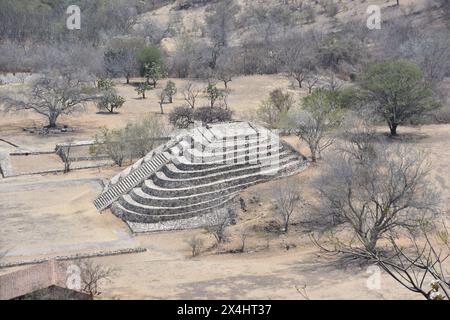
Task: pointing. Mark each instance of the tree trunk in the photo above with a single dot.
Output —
(52, 121)
(161, 106)
(128, 78)
(393, 129)
(286, 225)
(143, 95)
(313, 155)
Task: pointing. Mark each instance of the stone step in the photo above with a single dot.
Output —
(131, 216)
(160, 179)
(128, 203)
(172, 171)
(141, 197)
(185, 163)
(150, 188)
(210, 155)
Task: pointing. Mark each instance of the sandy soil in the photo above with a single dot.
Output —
(53, 214)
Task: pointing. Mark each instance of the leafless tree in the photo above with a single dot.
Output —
(297, 57)
(243, 234)
(196, 244)
(64, 152)
(51, 96)
(93, 276)
(162, 95)
(288, 200)
(311, 80)
(220, 20)
(367, 198)
(225, 68)
(421, 260)
(191, 92)
(120, 57)
(431, 52)
(218, 228)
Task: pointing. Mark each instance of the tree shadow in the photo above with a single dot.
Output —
(107, 113)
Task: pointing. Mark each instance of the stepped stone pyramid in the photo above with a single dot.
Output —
(191, 180)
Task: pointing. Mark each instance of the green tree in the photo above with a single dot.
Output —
(142, 88)
(153, 71)
(273, 110)
(170, 90)
(320, 113)
(110, 101)
(149, 58)
(398, 91)
(213, 94)
(113, 143)
(105, 84)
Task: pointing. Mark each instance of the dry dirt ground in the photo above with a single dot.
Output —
(53, 214)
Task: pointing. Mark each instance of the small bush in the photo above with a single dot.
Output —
(196, 244)
(181, 117)
(212, 115)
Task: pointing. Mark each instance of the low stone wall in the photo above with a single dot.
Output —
(200, 221)
(74, 257)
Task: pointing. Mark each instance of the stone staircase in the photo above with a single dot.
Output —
(198, 173)
(130, 181)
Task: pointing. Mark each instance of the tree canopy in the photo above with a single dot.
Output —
(397, 91)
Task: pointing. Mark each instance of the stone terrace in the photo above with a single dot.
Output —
(189, 181)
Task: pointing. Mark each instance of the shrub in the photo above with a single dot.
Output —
(212, 115)
(110, 101)
(181, 117)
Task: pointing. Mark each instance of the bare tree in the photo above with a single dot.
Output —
(431, 52)
(311, 81)
(191, 92)
(64, 152)
(51, 96)
(218, 228)
(196, 244)
(422, 259)
(162, 95)
(243, 234)
(288, 200)
(93, 275)
(220, 20)
(225, 68)
(374, 196)
(297, 58)
(120, 57)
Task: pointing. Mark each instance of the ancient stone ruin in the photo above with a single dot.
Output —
(189, 181)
